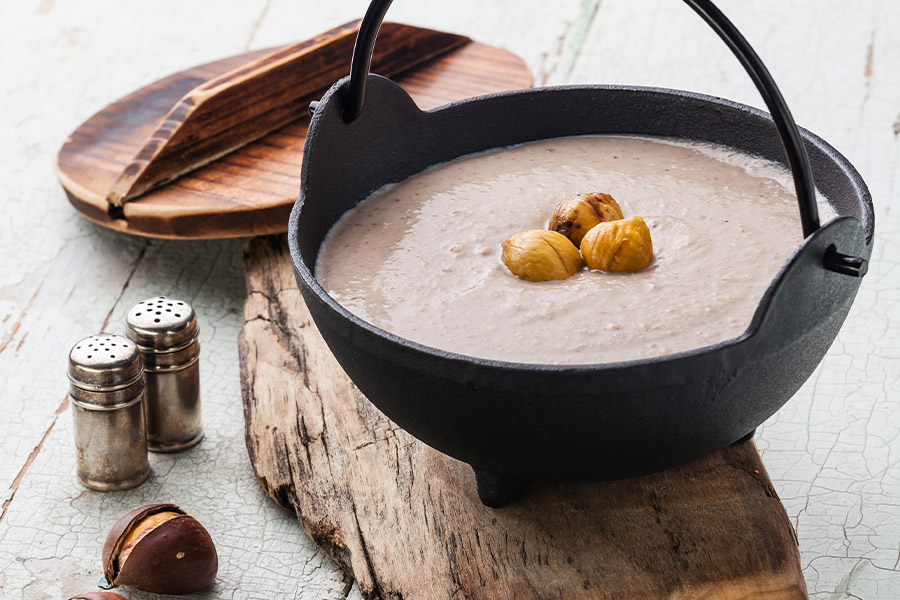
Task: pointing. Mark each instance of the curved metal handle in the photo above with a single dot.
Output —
(798, 160)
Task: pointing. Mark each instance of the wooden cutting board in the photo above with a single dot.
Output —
(215, 151)
(405, 521)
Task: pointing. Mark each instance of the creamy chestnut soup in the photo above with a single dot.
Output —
(421, 258)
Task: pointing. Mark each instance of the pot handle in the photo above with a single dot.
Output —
(798, 160)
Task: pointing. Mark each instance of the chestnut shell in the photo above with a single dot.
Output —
(98, 596)
(177, 557)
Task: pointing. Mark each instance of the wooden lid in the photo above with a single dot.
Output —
(146, 164)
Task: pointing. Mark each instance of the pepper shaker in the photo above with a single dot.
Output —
(106, 389)
(166, 333)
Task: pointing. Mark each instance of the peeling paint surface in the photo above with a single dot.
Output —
(833, 452)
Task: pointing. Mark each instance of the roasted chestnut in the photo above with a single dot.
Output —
(575, 216)
(98, 596)
(161, 549)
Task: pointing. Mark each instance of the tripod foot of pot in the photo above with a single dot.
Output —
(749, 436)
(496, 490)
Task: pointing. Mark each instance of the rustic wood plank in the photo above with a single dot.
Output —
(837, 65)
(140, 141)
(63, 277)
(833, 452)
(405, 520)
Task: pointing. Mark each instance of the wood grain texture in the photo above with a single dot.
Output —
(141, 140)
(405, 520)
(833, 452)
(244, 104)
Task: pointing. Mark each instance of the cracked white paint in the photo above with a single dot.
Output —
(832, 451)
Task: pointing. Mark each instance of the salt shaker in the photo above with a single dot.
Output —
(165, 331)
(106, 390)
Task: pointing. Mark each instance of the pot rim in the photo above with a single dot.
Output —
(312, 284)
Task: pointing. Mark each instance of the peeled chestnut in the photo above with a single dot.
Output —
(540, 255)
(98, 596)
(619, 246)
(161, 549)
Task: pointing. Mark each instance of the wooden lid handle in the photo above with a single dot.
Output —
(242, 105)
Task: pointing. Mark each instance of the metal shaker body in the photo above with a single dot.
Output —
(166, 333)
(106, 390)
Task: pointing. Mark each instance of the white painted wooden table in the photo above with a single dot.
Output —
(833, 451)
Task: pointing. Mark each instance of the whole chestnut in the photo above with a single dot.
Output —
(619, 246)
(98, 596)
(575, 216)
(540, 255)
(161, 549)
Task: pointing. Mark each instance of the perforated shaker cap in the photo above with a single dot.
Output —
(104, 362)
(162, 323)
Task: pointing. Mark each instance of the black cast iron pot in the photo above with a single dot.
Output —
(519, 422)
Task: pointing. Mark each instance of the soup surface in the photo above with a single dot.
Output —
(421, 258)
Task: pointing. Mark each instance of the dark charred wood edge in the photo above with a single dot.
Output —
(183, 142)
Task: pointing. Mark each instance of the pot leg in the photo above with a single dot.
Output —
(749, 436)
(496, 490)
